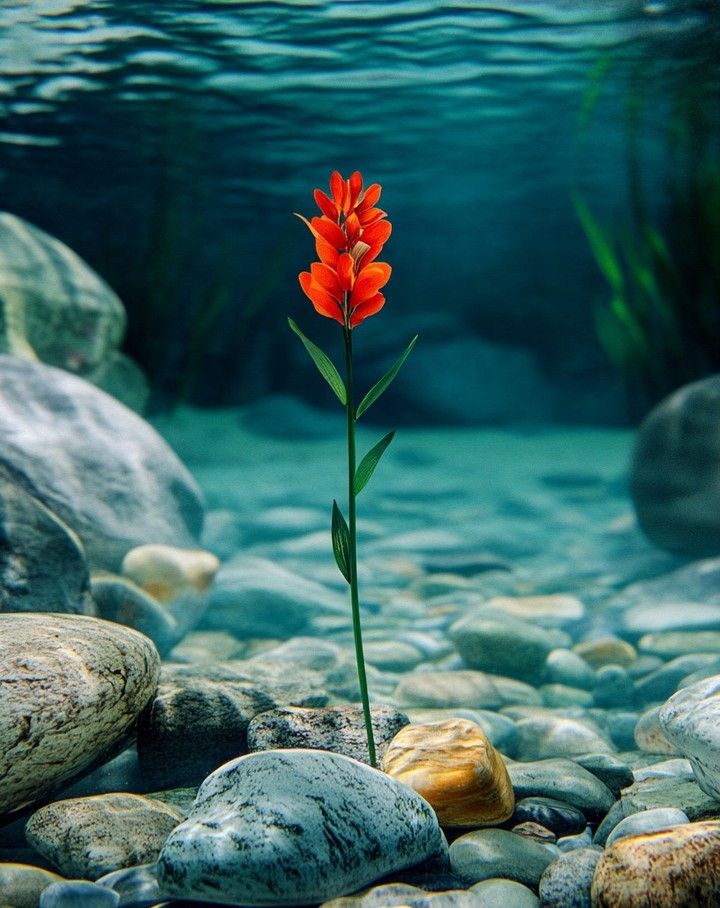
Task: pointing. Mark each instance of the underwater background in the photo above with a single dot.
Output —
(168, 145)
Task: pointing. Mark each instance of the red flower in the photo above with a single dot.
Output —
(349, 235)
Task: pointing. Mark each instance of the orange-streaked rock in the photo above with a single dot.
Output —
(456, 769)
(675, 868)
(167, 573)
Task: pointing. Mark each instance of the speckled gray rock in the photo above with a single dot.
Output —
(340, 729)
(564, 780)
(21, 884)
(78, 894)
(487, 853)
(294, 828)
(566, 882)
(113, 495)
(691, 721)
(402, 895)
(504, 645)
(645, 821)
(674, 478)
(86, 838)
(74, 687)
(42, 561)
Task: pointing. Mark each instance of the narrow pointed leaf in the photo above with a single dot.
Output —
(341, 541)
(324, 364)
(369, 462)
(380, 386)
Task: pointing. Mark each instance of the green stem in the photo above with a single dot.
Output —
(354, 599)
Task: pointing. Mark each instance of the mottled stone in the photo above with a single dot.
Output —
(669, 791)
(564, 780)
(566, 882)
(673, 475)
(678, 868)
(503, 645)
(559, 816)
(296, 827)
(690, 721)
(646, 821)
(542, 736)
(21, 884)
(488, 853)
(102, 469)
(86, 838)
(535, 831)
(455, 768)
(340, 729)
(499, 729)
(74, 687)
(606, 651)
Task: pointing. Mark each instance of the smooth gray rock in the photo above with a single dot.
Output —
(101, 468)
(664, 681)
(21, 884)
(559, 816)
(645, 821)
(402, 895)
(120, 600)
(488, 853)
(566, 882)
(296, 828)
(78, 894)
(564, 780)
(463, 688)
(499, 893)
(42, 561)
(674, 477)
(563, 666)
(691, 721)
(89, 837)
(137, 886)
(544, 736)
(610, 769)
(73, 689)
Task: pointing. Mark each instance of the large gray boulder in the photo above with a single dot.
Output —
(101, 468)
(675, 470)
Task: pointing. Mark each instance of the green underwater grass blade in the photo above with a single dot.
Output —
(601, 245)
(341, 542)
(380, 386)
(324, 364)
(370, 461)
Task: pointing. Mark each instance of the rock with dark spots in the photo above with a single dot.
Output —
(559, 816)
(86, 838)
(101, 468)
(120, 600)
(674, 478)
(295, 827)
(340, 729)
(42, 561)
(73, 687)
(566, 882)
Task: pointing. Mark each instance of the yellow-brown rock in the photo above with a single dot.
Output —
(606, 651)
(456, 769)
(168, 573)
(676, 868)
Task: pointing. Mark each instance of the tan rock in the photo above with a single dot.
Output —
(675, 868)
(650, 735)
(456, 769)
(166, 572)
(22, 884)
(606, 651)
(553, 608)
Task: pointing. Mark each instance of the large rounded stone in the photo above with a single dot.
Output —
(22, 884)
(295, 827)
(72, 688)
(101, 468)
(678, 868)
(675, 471)
(456, 769)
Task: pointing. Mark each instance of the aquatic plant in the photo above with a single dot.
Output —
(345, 286)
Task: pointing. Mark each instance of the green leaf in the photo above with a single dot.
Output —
(369, 462)
(324, 364)
(601, 245)
(378, 388)
(341, 541)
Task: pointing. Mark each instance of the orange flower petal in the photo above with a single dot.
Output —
(327, 278)
(352, 228)
(370, 279)
(374, 233)
(331, 232)
(355, 189)
(326, 253)
(326, 205)
(366, 309)
(337, 189)
(370, 215)
(322, 301)
(369, 197)
(346, 271)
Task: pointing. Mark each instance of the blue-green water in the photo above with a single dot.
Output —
(169, 144)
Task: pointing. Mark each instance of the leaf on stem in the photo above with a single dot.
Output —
(369, 462)
(380, 386)
(324, 364)
(341, 541)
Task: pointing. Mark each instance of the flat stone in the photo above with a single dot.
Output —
(606, 651)
(21, 884)
(559, 816)
(86, 838)
(550, 610)
(455, 768)
(78, 894)
(566, 882)
(340, 729)
(647, 821)
(678, 868)
(488, 853)
(541, 737)
(113, 495)
(669, 791)
(690, 721)
(670, 644)
(74, 687)
(563, 780)
(462, 688)
(296, 827)
(500, 893)
(403, 895)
